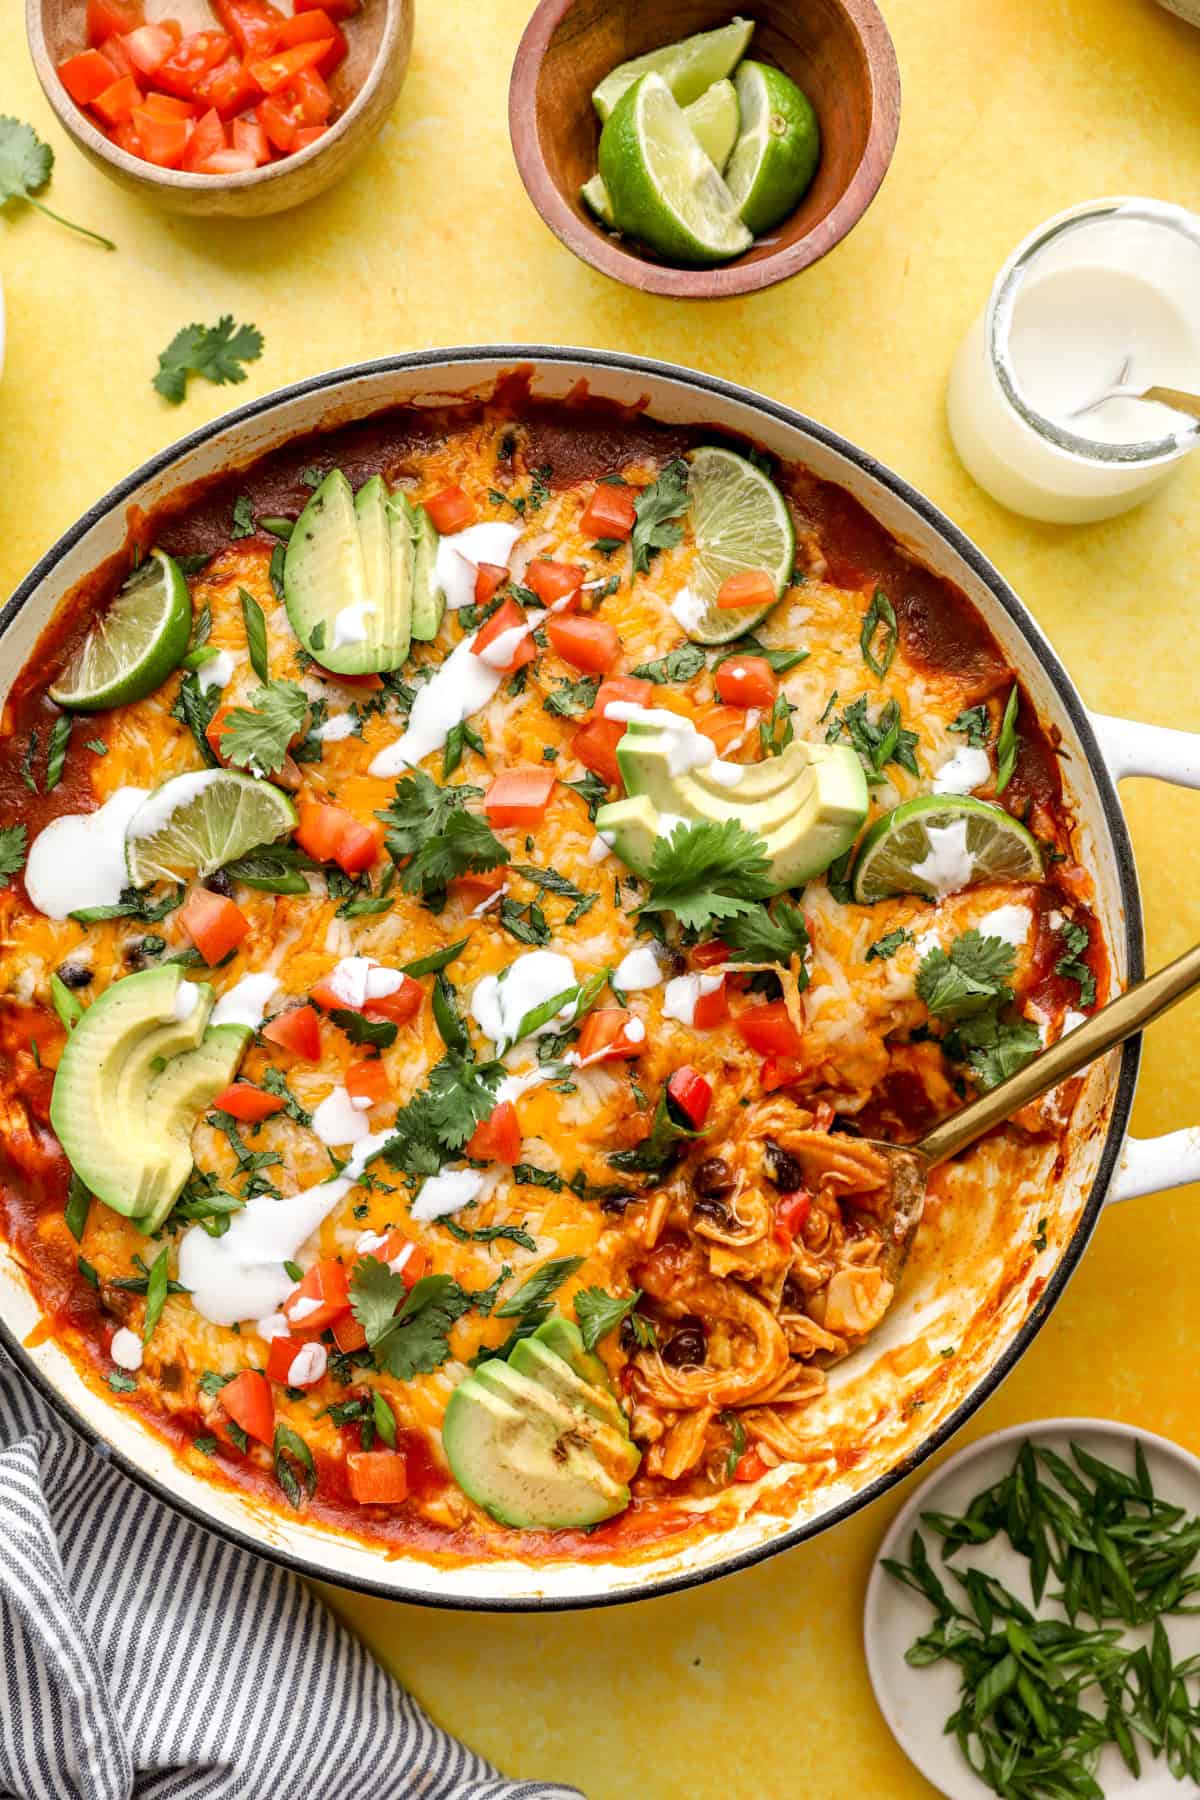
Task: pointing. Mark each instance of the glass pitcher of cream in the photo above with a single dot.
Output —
(1104, 295)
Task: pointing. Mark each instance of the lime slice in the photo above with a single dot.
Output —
(776, 155)
(716, 120)
(664, 189)
(134, 645)
(687, 67)
(740, 521)
(594, 195)
(982, 843)
(194, 823)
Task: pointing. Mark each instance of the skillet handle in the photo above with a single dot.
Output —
(1151, 1165)
(1131, 748)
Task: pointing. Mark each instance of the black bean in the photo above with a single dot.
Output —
(219, 883)
(708, 1207)
(785, 1171)
(688, 1345)
(712, 1177)
(74, 975)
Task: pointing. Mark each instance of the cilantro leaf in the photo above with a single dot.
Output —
(256, 736)
(407, 1332)
(13, 842)
(25, 167)
(599, 1312)
(678, 665)
(885, 947)
(656, 506)
(538, 1287)
(974, 724)
(995, 1048)
(439, 1119)
(768, 936)
(657, 1151)
(429, 831)
(216, 352)
(878, 741)
(1076, 940)
(750, 645)
(572, 697)
(194, 706)
(591, 790)
(707, 871)
(967, 980)
(243, 527)
(379, 1033)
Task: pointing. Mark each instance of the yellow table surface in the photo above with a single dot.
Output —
(1012, 110)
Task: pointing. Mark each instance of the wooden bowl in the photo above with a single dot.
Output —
(365, 85)
(838, 51)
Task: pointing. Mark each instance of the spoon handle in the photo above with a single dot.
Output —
(1119, 1020)
(1178, 398)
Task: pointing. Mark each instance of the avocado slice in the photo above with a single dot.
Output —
(539, 1363)
(565, 1338)
(402, 556)
(428, 600)
(807, 804)
(342, 600)
(178, 1096)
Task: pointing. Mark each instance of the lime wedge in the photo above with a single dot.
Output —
(776, 155)
(905, 852)
(687, 67)
(740, 521)
(194, 823)
(134, 645)
(716, 119)
(663, 187)
(594, 195)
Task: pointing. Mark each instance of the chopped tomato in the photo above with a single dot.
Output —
(595, 745)
(790, 1214)
(207, 138)
(348, 1334)
(711, 1009)
(312, 99)
(377, 1477)
(166, 106)
(228, 162)
(163, 140)
(746, 681)
(691, 1094)
(275, 72)
(629, 690)
(314, 27)
(609, 1033)
(753, 587)
(778, 1072)
(125, 136)
(215, 925)
(117, 102)
(247, 1401)
(722, 726)
(750, 1467)
(229, 88)
(367, 1079)
(249, 135)
(277, 115)
(255, 24)
(322, 1295)
(610, 513)
(451, 510)
(707, 956)
(488, 577)
(114, 52)
(477, 884)
(194, 58)
(282, 1353)
(402, 1004)
(769, 1030)
(508, 616)
(589, 644)
(112, 18)
(402, 1256)
(149, 47)
(336, 9)
(297, 1030)
(373, 683)
(553, 581)
(85, 76)
(520, 797)
(308, 134)
(246, 1102)
(331, 834)
(498, 1137)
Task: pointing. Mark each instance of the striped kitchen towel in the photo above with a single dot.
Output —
(140, 1656)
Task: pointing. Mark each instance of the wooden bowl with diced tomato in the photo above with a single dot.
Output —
(230, 107)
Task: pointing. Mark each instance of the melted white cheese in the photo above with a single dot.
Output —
(246, 1002)
(463, 684)
(679, 1001)
(1012, 923)
(949, 865)
(460, 554)
(638, 970)
(1072, 1020)
(350, 624)
(966, 769)
(447, 1192)
(126, 1349)
(500, 1002)
(79, 859)
(688, 608)
(337, 1120)
(341, 725)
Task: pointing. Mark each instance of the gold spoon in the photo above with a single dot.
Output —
(1179, 399)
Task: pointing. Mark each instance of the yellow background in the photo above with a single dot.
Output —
(1012, 110)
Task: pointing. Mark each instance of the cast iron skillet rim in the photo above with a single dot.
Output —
(518, 354)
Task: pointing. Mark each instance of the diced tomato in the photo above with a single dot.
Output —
(195, 57)
(377, 1477)
(750, 1467)
(166, 106)
(312, 100)
(629, 690)
(691, 1093)
(247, 1401)
(498, 1137)
(367, 1079)
(477, 885)
(348, 1334)
(451, 510)
(277, 115)
(508, 616)
(85, 76)
(242, 1100)
(308, 134)
(207, 138)
(117, 56)
(315, 27)
(753, 587)
(595, 745)
(520, 797)
(229, 88)
(297, 1030)
(778, 1072)
(326, 1284)
(215, 925)
(163, 140)
(372, 683)
(112, 18)
(769, 1030)
(118, 101)
(228, 162)
(488, 577)
(255, 25)
(707, 956)
(790, 1214)
(609, 1033)
(610, 513)
(722, 726)
(126, 138)
(282, 1353)
(249, 135)
(553, 581)
(148, 48)
(336, 9)
(275, 72)
(331, 834)
(711, 1009)
(589, 644)
(402, 1004)
(746, 681)
(403, 1257)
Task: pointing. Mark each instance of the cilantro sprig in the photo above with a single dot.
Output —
(216, 352)
(707, 871)
(256, 736)
(407, 1332)
(434, 838)
(26, 164)
(967, 988)
(657, 507)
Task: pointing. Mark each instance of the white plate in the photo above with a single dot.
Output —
(917, 1702)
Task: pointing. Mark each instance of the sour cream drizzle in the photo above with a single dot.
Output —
(246, 1002)
(460, 554)
(461, 686)
(500, 1002)
(79, 859)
